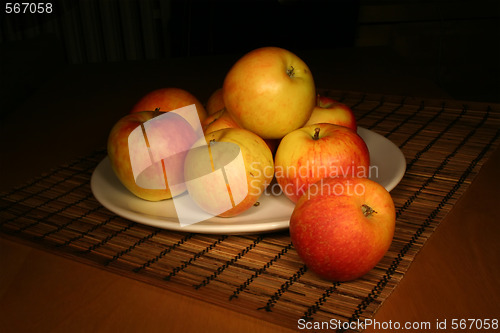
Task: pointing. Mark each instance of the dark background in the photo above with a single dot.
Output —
(453, 44)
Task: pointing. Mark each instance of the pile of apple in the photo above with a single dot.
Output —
(342, 224)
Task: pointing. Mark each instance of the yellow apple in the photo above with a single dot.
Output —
(269, 91)
(226, 176)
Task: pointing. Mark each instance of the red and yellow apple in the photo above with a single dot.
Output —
(269, 91)
(245, 162)
(218, 120)
(215, 102)
(342, 227)
(169, 99)
(327, 110)
(310, 153)
(144, 147)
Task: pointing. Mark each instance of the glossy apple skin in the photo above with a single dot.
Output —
(333, 236)
(172, 137)
(301, 160)
(168, 99)
(269, 91)
(259, 170)
(327, 110)
(215, 102)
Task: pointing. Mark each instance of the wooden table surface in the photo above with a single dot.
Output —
(457, 271)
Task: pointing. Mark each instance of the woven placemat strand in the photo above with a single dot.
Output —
(444, 142)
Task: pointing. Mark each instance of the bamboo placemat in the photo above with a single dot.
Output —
(444, 142)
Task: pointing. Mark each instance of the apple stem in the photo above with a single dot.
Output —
(367, 210)
(157, 112)
(291, 72)
(316, 133)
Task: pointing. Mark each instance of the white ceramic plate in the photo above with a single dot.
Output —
(272, 214)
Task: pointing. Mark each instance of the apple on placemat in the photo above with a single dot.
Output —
(342, 227)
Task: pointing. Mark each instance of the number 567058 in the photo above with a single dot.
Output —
(28, 8)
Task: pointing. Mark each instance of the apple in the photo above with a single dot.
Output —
(169, 99)
(222, 119)
(142, 163)
(310, 153)
(215, 102)
(328, 110)
(269, 91)
(342, 227)
(218, 120)
(244, 159)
